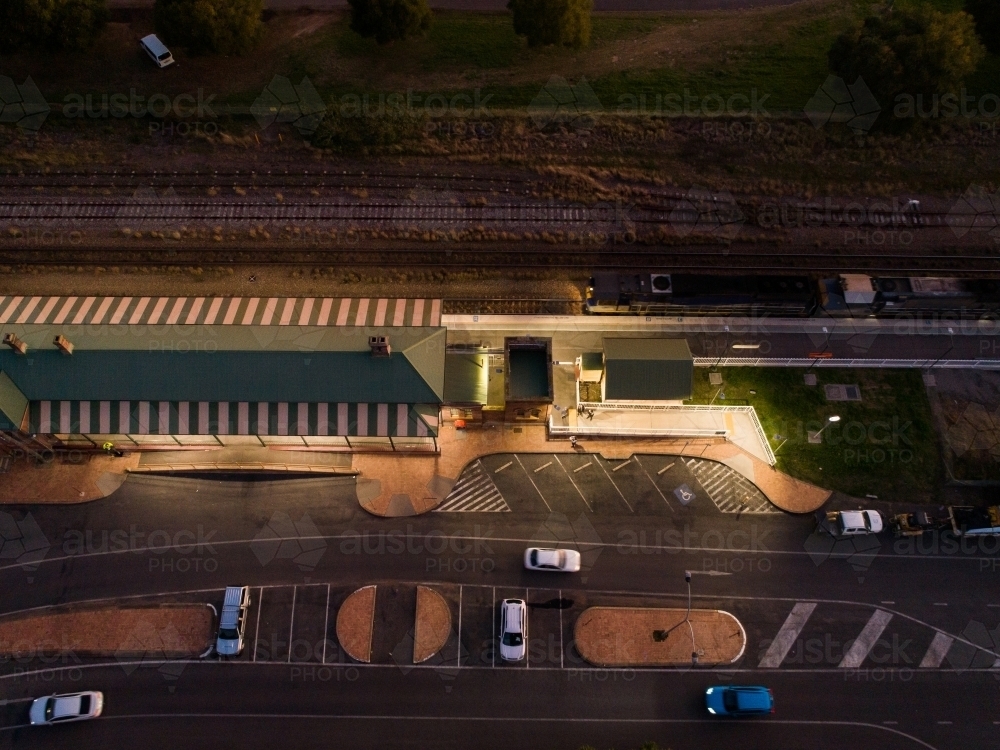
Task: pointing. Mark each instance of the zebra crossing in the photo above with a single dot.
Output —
(730, 491)
(872, 644)
(474, 492)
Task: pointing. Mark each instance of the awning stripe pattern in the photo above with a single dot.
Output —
(257, 311)
(232, 418)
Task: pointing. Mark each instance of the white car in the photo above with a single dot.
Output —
(858, 522)
(156, 50)
(559, 560)
(59, 709)
(513, 629)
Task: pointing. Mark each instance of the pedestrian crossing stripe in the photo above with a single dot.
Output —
(474, 492)
(730, 491)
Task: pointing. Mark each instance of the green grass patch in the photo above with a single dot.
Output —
(884, 445)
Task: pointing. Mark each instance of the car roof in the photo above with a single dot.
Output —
(548, 556)
(66, 706)
(512, 616)
(153, 42)
(852, 517)
(752, 698)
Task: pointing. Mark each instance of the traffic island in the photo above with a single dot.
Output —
(170, 631)
(433, 624)
(356, 622)
(652, 637)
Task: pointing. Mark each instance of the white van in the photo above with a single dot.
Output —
(156, 50)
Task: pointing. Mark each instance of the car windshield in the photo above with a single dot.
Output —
(534, 557)
(512, 639)
(163, 56)
(729, 700)
(50, 707)
(84, 704)
(228, 634)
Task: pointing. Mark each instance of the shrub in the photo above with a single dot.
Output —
(562, 22)
(987, 16)
(56, 24)
(909, 55)
(225, 27)
(390, 20)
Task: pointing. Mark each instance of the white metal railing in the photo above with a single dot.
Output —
(749, 411)
(958, 364)
(561, 429)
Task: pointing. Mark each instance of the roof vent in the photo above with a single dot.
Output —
(15, 343)
(379, 346)
(63, 343)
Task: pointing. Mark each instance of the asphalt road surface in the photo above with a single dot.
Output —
(868, 643)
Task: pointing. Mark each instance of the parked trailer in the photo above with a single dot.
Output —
(959, 519)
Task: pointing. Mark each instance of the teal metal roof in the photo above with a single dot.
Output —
(225, 363)
(655, 369)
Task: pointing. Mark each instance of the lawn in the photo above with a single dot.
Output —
(884, 445)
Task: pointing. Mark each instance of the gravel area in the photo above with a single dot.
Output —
(433, 624)
(355, 621)
(169, 631)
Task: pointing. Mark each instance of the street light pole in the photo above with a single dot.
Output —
(829, 421)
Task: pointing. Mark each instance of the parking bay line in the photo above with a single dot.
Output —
(543, 466)
(785, 638)
(458, 648)
(570, 478)
(658, 490)
(291, 624)
(622, 465)
(256, 630)
(617, 489)
(326, 625)
(581, 468)
(506, 465)
(666, 468)
(936, 651)
(518, 459)
(858, 652)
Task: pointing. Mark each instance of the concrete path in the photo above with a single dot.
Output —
(501, 5)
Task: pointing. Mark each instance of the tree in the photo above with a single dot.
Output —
(54, 24)
(907, 55)
(987, 16)
(224, 27)
(562, 22)
(389, 20)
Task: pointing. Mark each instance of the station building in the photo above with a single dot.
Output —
(157, 372)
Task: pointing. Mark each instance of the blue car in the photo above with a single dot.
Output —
(739, 700)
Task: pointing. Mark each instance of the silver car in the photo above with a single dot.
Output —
(556, 560)
(60, 709)
(232, 621)
(513, 629)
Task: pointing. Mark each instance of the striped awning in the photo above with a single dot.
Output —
(247, 311)
(232, 418)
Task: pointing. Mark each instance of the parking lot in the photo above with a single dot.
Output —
(643, 485)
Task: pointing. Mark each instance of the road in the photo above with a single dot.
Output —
(924, 679)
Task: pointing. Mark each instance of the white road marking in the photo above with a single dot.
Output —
(543, 466)
(458, 647)
(622, 465)
(506, 465)
(668, 467)
(581, 468)
(518, 459)
(785, 638)
(658, 490)
(256, 630)
(937, 651)
(940, 604)
(326, 625)
(291, 624)
(617, 489)
(858, 651)
(493, 617)
(562, 649)
(570, 478)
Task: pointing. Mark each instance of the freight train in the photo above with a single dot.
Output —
(847, 295)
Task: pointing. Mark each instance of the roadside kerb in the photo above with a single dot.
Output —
(627, 637)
